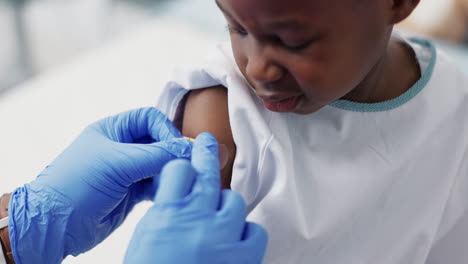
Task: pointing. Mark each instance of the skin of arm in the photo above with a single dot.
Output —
(206, 110)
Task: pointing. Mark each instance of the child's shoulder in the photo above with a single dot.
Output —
(444, 71)
(206, 110)
(437, 68)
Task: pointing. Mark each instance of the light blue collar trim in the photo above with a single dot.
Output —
(400, 100)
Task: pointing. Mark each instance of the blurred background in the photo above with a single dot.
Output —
(41, 34)
(67, 63)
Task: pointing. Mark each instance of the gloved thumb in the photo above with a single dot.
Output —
(176, 181)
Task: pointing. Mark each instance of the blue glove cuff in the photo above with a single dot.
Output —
(32, 222)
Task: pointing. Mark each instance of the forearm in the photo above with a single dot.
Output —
(4, 236)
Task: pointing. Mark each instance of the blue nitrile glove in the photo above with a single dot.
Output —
(192, 221)
(86, 193)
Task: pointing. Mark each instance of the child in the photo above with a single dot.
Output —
(347, 141)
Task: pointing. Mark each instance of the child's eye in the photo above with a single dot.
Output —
(237, 30)
(306, 44)
(284, 44)
(297, 47)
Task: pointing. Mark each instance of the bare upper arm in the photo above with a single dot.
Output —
(206, 110)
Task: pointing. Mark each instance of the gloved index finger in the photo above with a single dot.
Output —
(160, 128)
(132, 126)
(206, 162)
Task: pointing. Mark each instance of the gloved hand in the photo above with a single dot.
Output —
(86, 193)
(192, 221)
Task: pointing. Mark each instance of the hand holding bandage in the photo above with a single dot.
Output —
(192, 221)
(87, 192)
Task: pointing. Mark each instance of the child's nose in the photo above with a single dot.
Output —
(262, 69)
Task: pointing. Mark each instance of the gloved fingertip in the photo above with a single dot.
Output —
(223, 152)
(161, 127)
(208, 141)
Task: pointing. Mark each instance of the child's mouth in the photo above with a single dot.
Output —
(285, 105)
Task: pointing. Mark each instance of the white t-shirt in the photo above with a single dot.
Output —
(352, 183)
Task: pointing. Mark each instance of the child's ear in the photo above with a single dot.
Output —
(402, 9)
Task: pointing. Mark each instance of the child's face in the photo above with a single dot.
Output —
(300, 55)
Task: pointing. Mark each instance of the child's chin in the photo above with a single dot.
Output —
(303, 109)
